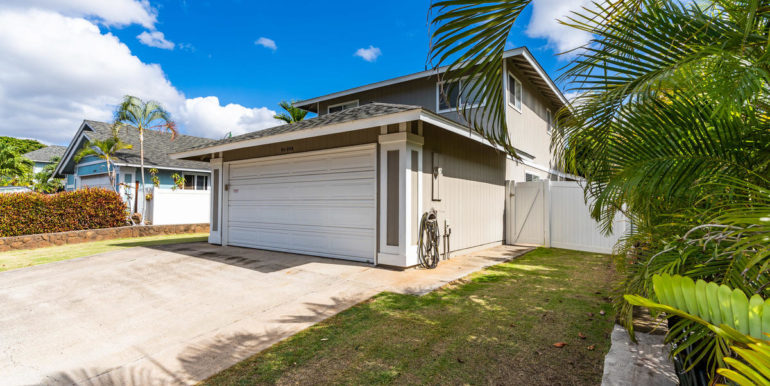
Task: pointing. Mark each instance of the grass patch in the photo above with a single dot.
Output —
(497, 326)
(29, 257)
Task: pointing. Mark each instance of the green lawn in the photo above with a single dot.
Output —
(26, 258)
(497, 326)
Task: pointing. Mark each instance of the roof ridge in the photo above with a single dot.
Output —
(150, 131)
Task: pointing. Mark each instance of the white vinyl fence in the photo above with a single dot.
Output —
(555, 214)
(179, 206)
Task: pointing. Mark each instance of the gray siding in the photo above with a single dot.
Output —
(528, 128)
(352, 138)
(472, 188)
(418, 92)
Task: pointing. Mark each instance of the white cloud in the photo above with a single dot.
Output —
(155, 39)
(369, 54)
(267, 43)
(57, 70)
(111, 12)
(207, 117)
(544, 24)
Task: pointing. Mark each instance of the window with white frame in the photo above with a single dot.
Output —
(196, 182)
(342, 106)
(451, 95)
(529, 177)
(549, 120)
(514, 92)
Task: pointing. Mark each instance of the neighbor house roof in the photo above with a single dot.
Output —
(157, 147)
(521, 56)
(362, 117)
(46, 154)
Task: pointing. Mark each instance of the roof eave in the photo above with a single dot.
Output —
(409, 115)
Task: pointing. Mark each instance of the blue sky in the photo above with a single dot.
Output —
(315, 47)
(65, 61)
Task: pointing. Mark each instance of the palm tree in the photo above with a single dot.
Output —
(105, 150)
(292, 114)
(671, 126)
(141, 116)
(15, 169)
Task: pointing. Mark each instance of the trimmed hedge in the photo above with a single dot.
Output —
(30, 213)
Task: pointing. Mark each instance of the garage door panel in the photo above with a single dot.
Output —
(349, 244)
(281, 179)
(316, 203)
(292, 165)
(99, 181)
(347, 216)
(304, 190)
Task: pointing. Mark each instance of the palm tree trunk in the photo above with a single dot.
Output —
(109, 173)
(141, 165)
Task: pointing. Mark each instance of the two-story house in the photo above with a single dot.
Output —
(353, 182)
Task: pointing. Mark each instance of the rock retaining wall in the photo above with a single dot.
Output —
(84, 236)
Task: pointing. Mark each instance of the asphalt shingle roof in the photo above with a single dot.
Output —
(45, 154)
(157, 146)
(361, 112)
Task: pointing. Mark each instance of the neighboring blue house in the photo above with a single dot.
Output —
(41, 157)
(44, 156)
(91, 171)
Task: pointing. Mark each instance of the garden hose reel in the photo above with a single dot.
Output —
(427, 240)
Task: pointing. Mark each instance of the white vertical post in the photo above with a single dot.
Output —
(225, 203)
(546, 213)
(405, 253)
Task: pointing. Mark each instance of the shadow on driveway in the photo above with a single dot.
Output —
(255, 259)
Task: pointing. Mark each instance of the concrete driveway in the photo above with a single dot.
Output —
(178, 314)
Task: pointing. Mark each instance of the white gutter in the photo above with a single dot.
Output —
(162, 167)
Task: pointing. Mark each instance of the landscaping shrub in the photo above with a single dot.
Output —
(31, 213)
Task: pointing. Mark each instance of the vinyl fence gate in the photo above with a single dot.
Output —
(555, 214)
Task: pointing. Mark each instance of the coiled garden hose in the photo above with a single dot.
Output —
(427, 240)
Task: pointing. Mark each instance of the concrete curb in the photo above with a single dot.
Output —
(83, 236)
(643, 363)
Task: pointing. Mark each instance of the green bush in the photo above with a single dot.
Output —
(31, 213)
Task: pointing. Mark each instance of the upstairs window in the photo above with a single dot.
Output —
(514, 92)
(451, 95)
(342, 106)
(549, 120)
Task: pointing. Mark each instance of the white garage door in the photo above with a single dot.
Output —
(100, 181)
(316, 203)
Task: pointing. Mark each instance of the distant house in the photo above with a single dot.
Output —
(91, 171)
(42, 157)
